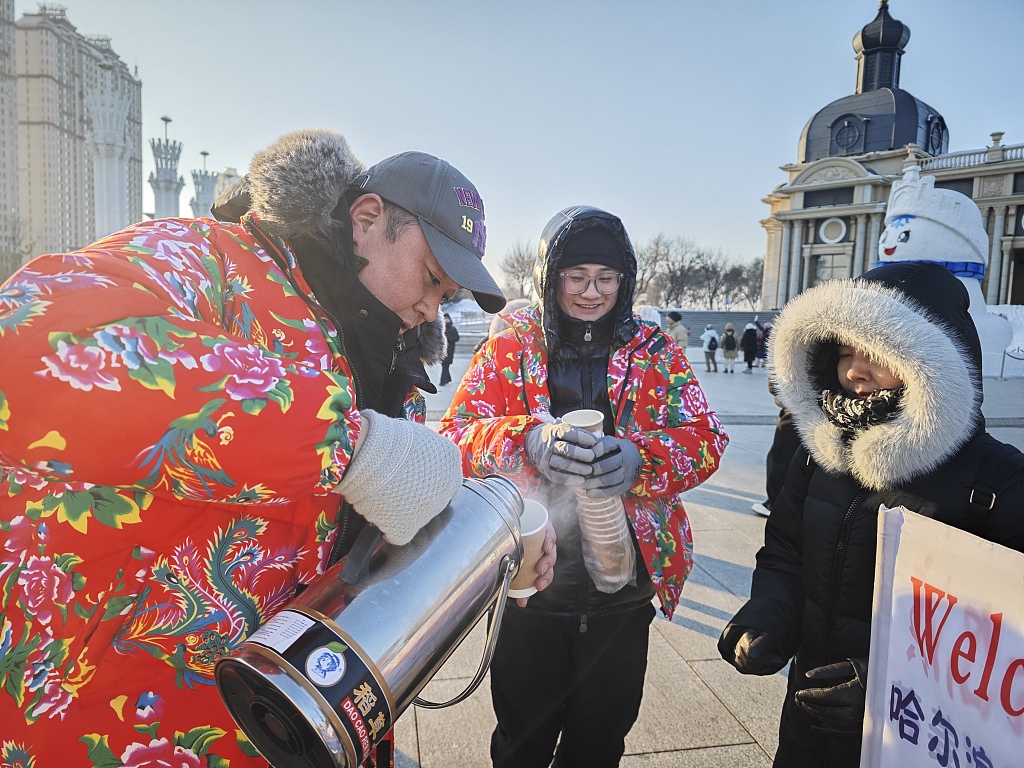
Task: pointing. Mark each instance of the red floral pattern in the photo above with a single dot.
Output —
(173, 420)
(679, 437)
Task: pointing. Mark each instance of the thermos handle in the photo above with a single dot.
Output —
(506, 567)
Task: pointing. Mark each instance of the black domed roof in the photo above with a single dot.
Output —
(883, 33)
(879, 116)
(876, 121)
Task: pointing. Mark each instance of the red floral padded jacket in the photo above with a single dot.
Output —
(659, 406)
(173, 419)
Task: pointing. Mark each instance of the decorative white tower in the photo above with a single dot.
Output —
(166, 182)
(206, 182)
(107, 107)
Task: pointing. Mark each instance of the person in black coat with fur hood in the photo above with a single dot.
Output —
(883, 377)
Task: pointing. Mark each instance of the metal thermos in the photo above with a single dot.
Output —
(323, 681)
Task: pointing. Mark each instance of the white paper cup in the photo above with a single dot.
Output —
(585, 418)
(532, 524)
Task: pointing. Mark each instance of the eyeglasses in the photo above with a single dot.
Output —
(579, 282)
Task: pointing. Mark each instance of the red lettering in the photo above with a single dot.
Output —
(990, 660)
(357, 721)
(960, 653)
(1004, 691)
(926, 602)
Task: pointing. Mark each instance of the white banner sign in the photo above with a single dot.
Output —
(946, 675)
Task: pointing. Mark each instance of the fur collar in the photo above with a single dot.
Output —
(297, 182)
(942, 399)
(432, 341)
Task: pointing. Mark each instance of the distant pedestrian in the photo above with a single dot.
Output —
(762, 345)
(710, 340)
(679, 332)
(748, 343)
(451, 333)
(730, 349)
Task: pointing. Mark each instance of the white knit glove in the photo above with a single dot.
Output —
(403, 475)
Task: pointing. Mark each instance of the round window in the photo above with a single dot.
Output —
(832, 230)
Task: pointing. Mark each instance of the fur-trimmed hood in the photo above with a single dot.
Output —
(911, 317)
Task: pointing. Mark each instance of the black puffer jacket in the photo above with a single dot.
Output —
(812, 587)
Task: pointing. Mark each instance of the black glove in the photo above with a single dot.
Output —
(560, 452)
(751, 651)
(840, 705)
(616, 469)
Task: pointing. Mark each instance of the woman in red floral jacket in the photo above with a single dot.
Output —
(572, 662)
(181, 406)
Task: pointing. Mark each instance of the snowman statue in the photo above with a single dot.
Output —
(923, 223)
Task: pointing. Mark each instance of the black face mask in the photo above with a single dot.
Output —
(854, 414)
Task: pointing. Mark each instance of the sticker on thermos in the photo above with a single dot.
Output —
(336, 667)
(282, 630)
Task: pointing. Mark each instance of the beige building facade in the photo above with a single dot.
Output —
(827, 218)
(79, 134)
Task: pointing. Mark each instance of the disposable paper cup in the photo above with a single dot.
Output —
(602, 506)
(532, 524)
(585, 418)
(615, 530)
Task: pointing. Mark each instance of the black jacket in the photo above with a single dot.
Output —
(812, 587)
(748, 342)
(451, 335)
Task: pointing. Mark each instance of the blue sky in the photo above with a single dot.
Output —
(674, 115)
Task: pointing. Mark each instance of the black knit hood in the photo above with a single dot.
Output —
(911, 317)
(557, 233)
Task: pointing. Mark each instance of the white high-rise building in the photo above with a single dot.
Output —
(8, 125)
(79, 134)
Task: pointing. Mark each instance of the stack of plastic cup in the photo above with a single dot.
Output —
(608, 550)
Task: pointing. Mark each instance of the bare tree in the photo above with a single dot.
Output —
(751, 281)
(651, 261)
(732, 279)
(711, 277)
(676, 273)
(14, 248)
(517, 266)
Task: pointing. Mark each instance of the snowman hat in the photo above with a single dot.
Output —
(916, 195)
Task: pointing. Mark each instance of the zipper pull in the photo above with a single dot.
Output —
(587, 337)
(583, 623)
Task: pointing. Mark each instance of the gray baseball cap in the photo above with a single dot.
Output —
(451, 214)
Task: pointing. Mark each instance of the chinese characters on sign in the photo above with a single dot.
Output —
(946, 678)
(944, 744)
